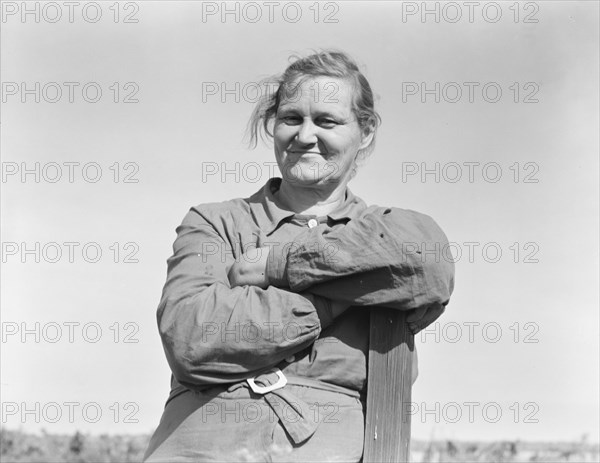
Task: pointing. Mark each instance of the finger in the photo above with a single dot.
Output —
(416, 314)
(433, 313)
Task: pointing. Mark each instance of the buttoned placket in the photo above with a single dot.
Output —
(311, 223)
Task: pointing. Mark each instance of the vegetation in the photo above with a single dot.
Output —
(16, 447)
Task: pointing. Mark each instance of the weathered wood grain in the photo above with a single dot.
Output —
(387, 430)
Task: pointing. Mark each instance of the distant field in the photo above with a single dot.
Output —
(16, 446)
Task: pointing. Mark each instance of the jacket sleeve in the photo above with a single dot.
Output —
(213, 333)
(389, 257)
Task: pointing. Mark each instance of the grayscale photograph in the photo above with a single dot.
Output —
(313, 231)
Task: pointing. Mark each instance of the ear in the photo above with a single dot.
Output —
(367, 136)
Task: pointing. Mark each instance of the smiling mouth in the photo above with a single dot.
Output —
(305, 152)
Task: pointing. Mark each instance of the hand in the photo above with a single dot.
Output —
(251, 269)
(424, 316)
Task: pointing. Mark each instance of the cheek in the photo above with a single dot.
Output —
(282, 134)
(280, 143)
(345, 144)
(353, 143)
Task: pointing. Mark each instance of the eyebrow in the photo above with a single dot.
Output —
(291, 108)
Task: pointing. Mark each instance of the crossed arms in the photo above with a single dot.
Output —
(209, 316)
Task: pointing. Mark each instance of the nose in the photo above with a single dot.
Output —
(307, 133)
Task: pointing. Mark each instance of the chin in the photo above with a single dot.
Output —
(311, 180)
(308, 170)
(302, 179)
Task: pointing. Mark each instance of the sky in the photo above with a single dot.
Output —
(118, 117)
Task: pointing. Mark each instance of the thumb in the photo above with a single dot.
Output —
(416, 314)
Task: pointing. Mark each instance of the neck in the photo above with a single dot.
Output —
(311, 200)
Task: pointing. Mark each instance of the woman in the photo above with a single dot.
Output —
(264, 316)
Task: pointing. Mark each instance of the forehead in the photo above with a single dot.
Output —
(321, 93)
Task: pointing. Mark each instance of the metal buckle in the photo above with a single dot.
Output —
(281, 382)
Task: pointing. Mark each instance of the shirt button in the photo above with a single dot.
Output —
(290, 359)
(312, 223)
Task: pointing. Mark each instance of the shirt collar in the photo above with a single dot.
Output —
(268, 213)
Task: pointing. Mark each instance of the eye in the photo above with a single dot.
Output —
(327, 123)
(290, 120)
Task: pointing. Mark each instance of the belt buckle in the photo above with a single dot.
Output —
(281, 382)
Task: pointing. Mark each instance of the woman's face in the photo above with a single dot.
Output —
(316, 134)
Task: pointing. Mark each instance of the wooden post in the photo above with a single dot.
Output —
(387, 429)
